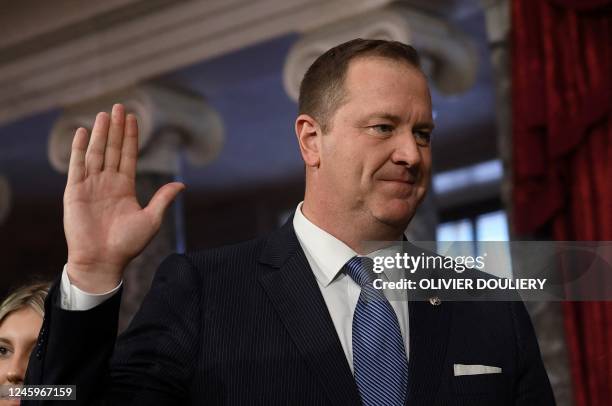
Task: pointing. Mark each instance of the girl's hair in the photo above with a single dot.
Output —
(33, 295)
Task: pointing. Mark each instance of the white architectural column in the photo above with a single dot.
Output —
(547, 317)
(497, 20)
(448, 58)
(170, 123)
(5, 198)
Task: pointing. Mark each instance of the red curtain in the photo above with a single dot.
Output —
(562, 155)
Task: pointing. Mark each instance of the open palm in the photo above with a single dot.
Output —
(105, 225)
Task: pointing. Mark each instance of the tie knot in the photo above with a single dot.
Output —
(360, 269)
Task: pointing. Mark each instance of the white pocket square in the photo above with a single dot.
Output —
(462, 369)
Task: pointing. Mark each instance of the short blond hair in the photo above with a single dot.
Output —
(33, 295)
(322, 89)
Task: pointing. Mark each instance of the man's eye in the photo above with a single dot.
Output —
(3, 352)
(383, 128)
(422, 137)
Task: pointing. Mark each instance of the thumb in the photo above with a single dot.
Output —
(162, 199)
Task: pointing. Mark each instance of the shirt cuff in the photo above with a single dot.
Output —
(73, 298)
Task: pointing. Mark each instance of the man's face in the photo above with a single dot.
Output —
(375, 159)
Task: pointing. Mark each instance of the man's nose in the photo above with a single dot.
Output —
(406, 151)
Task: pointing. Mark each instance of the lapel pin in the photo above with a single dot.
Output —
(435, 301)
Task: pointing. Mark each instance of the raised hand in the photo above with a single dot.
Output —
(104, 224)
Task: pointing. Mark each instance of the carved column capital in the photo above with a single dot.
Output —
(168, 121)
(449, 57)
(5, 198)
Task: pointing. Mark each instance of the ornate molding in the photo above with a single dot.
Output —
(168, 120)
(449, 57)
(5, 198)
(100, 55)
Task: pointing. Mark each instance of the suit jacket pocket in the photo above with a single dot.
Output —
(480, 384)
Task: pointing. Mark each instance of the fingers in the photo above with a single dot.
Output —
(112, 154)
(76, 168)
(94, 158)
(129, 149)
(114, 143)
(162, 199)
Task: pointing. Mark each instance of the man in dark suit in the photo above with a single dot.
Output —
(290, 318)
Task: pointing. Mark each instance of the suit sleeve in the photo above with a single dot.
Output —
(151, 363)
(532, 386)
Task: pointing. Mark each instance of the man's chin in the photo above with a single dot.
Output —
(396, 215)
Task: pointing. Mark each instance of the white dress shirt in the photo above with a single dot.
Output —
(326, 256)
(73, 298)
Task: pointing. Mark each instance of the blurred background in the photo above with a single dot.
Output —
(522, 105)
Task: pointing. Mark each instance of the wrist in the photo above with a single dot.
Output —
(94, 278)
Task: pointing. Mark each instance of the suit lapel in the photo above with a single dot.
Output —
(294, 293)
(429, 332)
(429, 326)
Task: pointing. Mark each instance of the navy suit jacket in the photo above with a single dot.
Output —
(247, 324)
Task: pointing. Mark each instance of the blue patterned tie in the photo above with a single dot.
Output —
(379, 354)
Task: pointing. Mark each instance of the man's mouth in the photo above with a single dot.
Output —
(409, 181)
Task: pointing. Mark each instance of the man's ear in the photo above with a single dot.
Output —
(309, 133)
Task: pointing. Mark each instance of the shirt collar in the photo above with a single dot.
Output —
(328, 253)
(325, 253)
